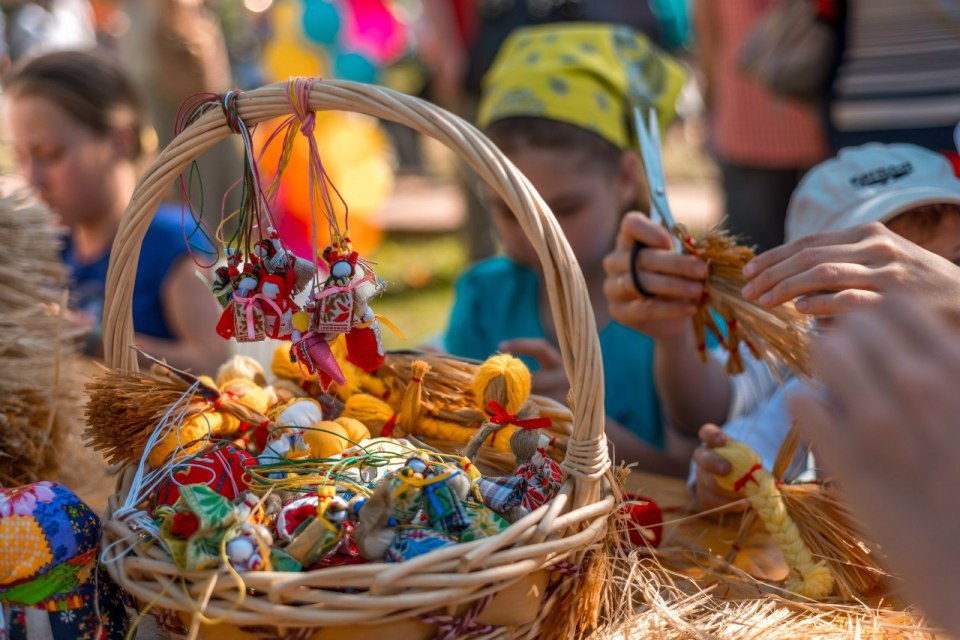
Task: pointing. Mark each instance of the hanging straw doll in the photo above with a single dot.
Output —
(502, 388)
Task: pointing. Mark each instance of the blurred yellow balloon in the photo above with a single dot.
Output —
(288, 52)
(353, 148)
(284, 57)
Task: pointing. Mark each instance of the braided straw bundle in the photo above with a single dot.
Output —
(807, 577)
(469, 589)
(775, 335)
(39, 392)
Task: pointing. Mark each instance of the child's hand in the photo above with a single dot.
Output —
(836, 271)
(886, 428)
(551, 379)
(673, 282)
(710, 464)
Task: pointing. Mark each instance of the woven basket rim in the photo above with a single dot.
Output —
(559, 530)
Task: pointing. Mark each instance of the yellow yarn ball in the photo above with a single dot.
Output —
(355, 429)
(515, 373)
(326, 439)
(249, 394)
(281, 366)
(241, 368)
(741, 458)
(372, 412)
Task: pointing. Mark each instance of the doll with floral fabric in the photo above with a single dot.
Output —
(502, 388)
(49, 571)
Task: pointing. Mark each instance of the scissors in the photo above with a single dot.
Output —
(648, 135)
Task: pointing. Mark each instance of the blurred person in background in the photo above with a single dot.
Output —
(48, 25)
(762, 143)
(896, 77)
(80, 134)
(461, 38)
(174, 49)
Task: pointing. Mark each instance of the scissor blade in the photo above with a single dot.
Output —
(649, 137)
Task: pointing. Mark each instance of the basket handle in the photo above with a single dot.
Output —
(586, 458)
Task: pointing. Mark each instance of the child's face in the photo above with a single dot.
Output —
(71, 167)
(586, 200)
(943, 241)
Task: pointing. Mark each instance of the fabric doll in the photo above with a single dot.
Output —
(49, 563)
(502, 387)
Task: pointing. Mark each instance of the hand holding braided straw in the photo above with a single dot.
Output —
(772, 335)
(807, 577)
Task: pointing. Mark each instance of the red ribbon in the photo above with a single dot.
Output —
(388, 426)
(499, 415)
(747, 477)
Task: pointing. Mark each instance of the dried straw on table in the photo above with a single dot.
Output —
(689, 591)
(645, 596)
(828, 529)
(39, 387)
(776, 335)
(655, 603)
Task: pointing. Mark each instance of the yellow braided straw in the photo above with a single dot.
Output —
(517, 378)
(807, 577)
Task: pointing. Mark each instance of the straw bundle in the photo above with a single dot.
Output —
(125, 408)
(39, 391)
(773, 335)
(446, 385)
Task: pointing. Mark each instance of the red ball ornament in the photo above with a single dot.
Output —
(644, 521)
(223, 468)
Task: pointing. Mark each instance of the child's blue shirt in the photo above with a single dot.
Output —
(163, 246)
(498, 300)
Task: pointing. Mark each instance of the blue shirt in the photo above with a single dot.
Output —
(498, 300)
(163, 246)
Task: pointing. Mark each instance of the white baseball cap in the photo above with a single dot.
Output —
(870, 183)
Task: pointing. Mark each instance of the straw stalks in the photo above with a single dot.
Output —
(776, 335)
(39, 390)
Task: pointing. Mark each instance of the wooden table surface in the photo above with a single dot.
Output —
(752, 551)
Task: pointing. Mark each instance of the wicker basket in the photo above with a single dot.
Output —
(504, 586)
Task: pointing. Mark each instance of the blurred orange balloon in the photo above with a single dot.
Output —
(356, 157)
